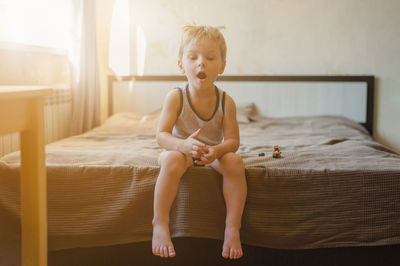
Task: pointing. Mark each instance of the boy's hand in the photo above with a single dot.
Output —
(193, 146)
(209, 155)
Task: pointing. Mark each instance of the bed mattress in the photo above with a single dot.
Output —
(334, 186)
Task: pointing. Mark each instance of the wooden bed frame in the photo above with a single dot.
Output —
(369, 80)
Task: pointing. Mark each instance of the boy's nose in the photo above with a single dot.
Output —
(201, 62)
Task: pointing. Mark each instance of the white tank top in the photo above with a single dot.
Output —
(189, 120)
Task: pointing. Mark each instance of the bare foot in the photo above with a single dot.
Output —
(161, 244)
(232, 247)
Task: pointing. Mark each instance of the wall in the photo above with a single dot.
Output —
(273, 37)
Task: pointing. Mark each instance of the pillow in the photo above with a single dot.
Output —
(132, 120)
(244, 111)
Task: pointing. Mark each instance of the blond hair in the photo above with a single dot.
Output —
(193, 33)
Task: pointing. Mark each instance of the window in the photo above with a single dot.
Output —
(44, 23)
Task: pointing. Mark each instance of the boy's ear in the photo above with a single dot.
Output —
(180, 66)
(222, 68)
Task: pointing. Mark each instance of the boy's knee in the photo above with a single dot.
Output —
(233, 162)
(173, 160)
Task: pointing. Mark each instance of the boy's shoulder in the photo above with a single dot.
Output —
(173, 96)
(175, 91)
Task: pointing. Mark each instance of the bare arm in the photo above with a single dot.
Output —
(231, 129)
(169, 114)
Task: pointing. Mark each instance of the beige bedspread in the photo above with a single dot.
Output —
(334, 186)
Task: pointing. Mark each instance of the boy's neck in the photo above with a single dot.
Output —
(202, 91)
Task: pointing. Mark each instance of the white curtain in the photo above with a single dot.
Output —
(85, 74)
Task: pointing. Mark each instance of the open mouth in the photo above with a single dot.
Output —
(201, 75)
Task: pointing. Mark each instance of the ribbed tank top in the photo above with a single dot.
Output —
(189, 120)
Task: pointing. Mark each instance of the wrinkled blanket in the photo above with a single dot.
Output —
(334, 186)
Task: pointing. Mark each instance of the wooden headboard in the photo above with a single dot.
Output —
(368, 80)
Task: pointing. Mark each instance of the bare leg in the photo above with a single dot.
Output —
(173, 166)
(235, 191)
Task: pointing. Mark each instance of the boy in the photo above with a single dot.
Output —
(198, 127)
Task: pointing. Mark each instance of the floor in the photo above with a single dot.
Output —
(207, 252)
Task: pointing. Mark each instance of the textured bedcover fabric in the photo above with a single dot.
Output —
(334, 186)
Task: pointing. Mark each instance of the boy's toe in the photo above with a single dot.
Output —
(171, 251)
(163, 252)
(235, 254)
(240, 254)
(232, 254)
(225, 252)
(157, 251)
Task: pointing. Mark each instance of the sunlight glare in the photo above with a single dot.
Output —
(141, 50)
(42, 23)
(119, 51)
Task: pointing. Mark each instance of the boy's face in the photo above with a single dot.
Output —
(201, 62)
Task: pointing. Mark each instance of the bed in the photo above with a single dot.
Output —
(334, 185)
